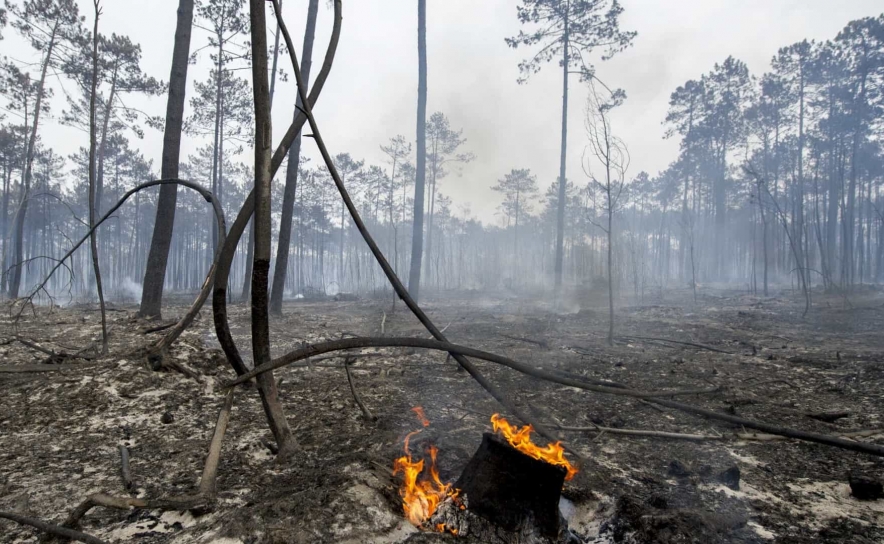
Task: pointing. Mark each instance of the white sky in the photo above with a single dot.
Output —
(371, 94)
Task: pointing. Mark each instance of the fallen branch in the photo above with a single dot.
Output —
(353, 356)
(202, 501)
(210, 469)
(51, 529)
(25, 369)
(762, 437)
(365, 411)
(828, 440)
(668, 341)
(541, 343)
(35, 347)
(459, 351)
(159, 328)
(643, 433)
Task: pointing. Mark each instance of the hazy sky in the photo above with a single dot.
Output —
(372, 92)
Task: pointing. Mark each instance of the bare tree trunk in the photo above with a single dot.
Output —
(291, 176)
(417, 236)
(261, 226)
(27, 174)
(560, 212)
(158, 258)
(92, 179)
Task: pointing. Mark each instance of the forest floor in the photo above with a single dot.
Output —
(60, 430)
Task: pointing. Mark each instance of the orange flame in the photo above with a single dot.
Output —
(520, 439)
(421, 493)
(421, 416)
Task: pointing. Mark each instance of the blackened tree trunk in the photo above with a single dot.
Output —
(417, 236)
(158, 258)
(261, 226)
(291, 176)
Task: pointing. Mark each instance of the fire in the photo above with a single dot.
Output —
(421, 416)
(421, 491)
(520, 438)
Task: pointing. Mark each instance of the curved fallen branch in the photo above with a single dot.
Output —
(457, 351)
(51, 529)
(649, 396)
(400, 289)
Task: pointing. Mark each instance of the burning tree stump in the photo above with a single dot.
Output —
(506, 491)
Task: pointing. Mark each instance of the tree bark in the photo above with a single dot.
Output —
(93, 181)
(27, 174)
(560, 213)
(158, 257)
(261, 227)
(291, 176)
(417, 236)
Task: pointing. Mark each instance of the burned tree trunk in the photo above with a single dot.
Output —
(511, 489)
(505, 496)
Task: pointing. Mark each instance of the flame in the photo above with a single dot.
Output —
(520, 439)
(421, 416)
(421, 493)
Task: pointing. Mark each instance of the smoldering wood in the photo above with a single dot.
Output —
(511, 489)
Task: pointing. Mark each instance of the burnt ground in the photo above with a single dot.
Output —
(60, 431)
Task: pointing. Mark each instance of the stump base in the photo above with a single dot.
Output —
(514, 492)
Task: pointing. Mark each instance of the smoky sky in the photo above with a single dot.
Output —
(372, 92)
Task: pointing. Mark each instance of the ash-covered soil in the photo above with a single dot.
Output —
(60, 430)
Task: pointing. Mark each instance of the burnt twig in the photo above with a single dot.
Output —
(49, 528)
(668, 341)
(541, 343)
(365, 411)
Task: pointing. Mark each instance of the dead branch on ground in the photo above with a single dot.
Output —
(365, 411)
(202, 501)
(668, 341)
(49, 528)
(541, 343)
(459, 351)
(653, 397)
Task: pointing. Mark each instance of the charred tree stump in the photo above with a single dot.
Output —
(511, 489)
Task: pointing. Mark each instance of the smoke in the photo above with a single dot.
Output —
(128, 290)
